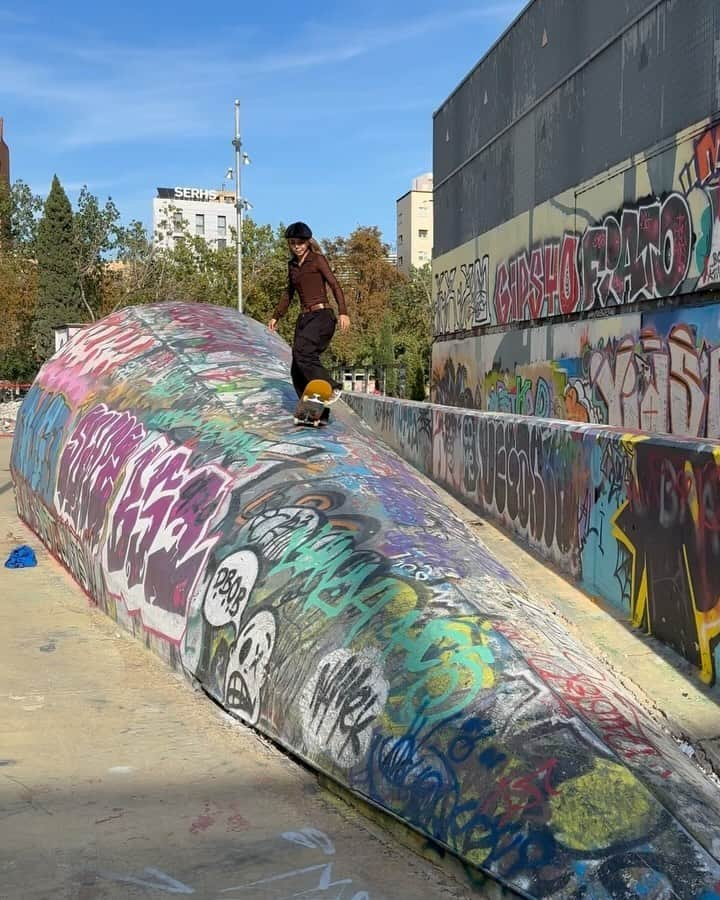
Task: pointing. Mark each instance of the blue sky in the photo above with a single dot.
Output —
(337, 99)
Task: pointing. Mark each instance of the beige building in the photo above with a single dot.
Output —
(415, 225)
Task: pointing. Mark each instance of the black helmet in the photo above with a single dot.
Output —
(298, 230)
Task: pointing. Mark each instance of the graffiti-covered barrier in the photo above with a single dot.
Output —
(635, 518)
(313, 583)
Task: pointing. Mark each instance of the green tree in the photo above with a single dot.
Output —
(265, 273)
(58, 297)
(410, 305)
(138, 274)
(95, 234)
(192, 270)
(5, 212)
(19, 214)
(385, 357)
(361, 264)
(18, 290)
(417, 385)
(199, 273)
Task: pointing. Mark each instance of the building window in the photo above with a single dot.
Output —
(221, 243)
(177, 221)
(399, 218)
(221, 226)
(199, 224)
(422, 232)
(399, 239)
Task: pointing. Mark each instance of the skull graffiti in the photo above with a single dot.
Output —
(248, 665)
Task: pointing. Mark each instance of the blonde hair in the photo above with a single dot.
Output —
(313, 245)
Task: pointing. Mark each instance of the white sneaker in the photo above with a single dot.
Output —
(334, 397)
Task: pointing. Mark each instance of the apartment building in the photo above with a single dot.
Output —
(415, 225)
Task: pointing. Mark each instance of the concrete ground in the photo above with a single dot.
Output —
(118, 781)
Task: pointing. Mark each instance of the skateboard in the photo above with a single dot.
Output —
(313, 403)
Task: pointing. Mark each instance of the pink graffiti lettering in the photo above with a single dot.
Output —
(90, 467)
(551, 258)
(540, 283)
(569, 280)
(503, 298)
(102, 348)
(159, 532)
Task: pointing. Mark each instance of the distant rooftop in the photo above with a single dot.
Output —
(423, 182)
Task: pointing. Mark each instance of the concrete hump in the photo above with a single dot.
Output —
(319, 589)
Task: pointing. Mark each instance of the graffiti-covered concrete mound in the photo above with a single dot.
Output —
(316, 586)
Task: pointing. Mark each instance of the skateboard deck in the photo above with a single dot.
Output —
(312, 404)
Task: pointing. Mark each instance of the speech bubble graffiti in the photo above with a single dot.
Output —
(227, 594)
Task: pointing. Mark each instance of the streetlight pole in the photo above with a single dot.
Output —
(237, 144)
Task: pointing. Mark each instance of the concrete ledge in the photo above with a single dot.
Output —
(317, 587)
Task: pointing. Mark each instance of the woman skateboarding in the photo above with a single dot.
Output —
(309, 275)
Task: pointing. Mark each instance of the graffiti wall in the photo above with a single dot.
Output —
(640, 233)
(656, 371)
(643, 230)
(635, 519)
(315, 585)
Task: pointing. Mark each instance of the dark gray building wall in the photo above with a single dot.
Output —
(615, 77)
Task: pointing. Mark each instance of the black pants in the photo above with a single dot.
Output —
(313, 333)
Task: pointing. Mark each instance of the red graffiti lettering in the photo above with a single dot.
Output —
(569, 283)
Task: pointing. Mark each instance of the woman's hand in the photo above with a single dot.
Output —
(344, 323)
(272, 324)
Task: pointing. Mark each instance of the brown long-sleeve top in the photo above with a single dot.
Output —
(310, 280)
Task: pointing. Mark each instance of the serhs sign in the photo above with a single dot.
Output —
(186, 193)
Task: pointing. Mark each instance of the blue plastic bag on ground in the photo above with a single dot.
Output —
(21, 557)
